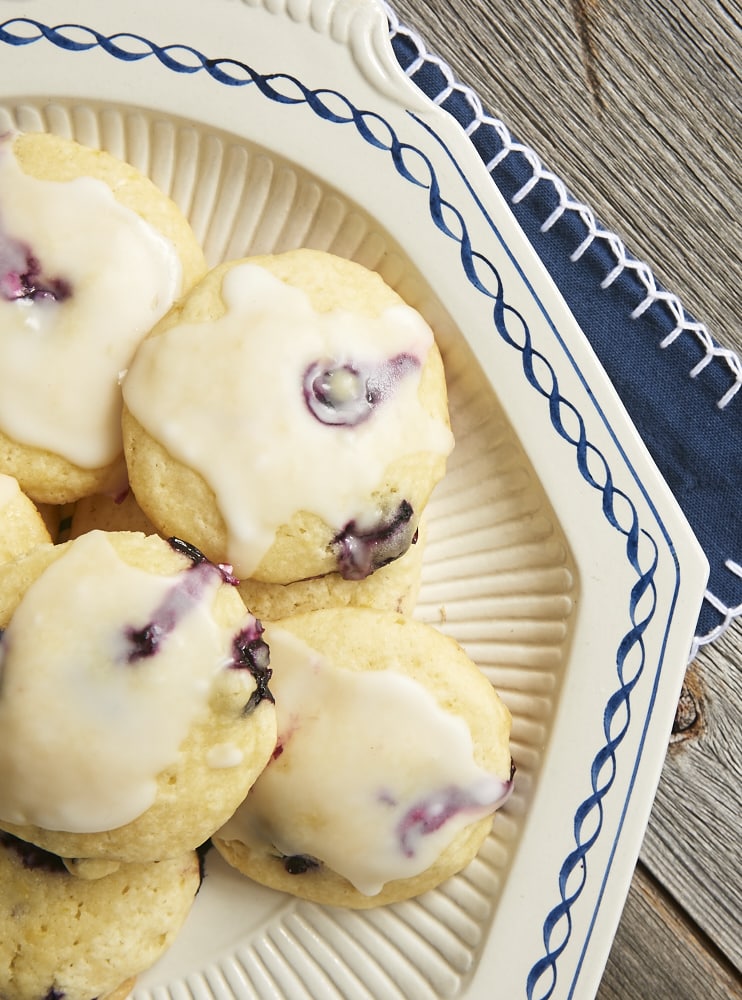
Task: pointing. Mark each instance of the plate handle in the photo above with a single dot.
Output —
(361, 26)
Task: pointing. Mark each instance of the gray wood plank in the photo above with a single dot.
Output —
(659, 953)
(693, 843)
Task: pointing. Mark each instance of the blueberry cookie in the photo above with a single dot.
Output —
(92, 254)
(289, 417)
(21, 524)
(135, 711)
(392, 757)
(65, 937)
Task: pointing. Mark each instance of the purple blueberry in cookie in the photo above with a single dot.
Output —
(299, 864)
(21, 275)
(54, 994)
(249, 649)
(359, 552)
(32, 857)
(432, 812)
(197, 557)
(345, 394)
(251, 652)
(144, 642)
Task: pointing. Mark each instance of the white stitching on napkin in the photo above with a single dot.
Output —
(594, 231)
(729, 613)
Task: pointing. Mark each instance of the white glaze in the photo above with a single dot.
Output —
(226, 399)
(83, 732)
(60, 361)
(224, 755)
(358, 752)
(9, 490)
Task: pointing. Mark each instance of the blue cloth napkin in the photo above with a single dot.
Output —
(678, 385)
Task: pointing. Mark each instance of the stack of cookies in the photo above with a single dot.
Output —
(212, 496)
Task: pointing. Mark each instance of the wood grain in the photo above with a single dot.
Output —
(636, 106)
(694, 842)
(647, 964)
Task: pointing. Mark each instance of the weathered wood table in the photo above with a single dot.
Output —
(636, 106)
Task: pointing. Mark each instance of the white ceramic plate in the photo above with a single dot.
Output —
(556, 555)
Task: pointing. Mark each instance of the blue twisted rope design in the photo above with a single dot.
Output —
(513, 330)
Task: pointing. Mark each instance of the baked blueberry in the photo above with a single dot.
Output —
(197, 557)
(345, 393)
(21, 275)
(360, 552)
(251, 652)
(299, 864)
(32, 857)
(183, 596)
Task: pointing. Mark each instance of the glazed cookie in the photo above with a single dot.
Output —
(92, 254)
(289, 417)
(65, 937)
(134, 709)
(392, 756)
(21, 525)
(393, 587)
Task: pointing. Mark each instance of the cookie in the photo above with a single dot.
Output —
(394, 587)
(92, 254)
(392, 756)
(62, 936)
(134, 710)
(108, 513)
(289, 417)
(21, 524)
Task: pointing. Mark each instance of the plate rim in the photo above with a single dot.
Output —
(681, 547)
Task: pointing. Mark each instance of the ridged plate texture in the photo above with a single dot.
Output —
(498, 577)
